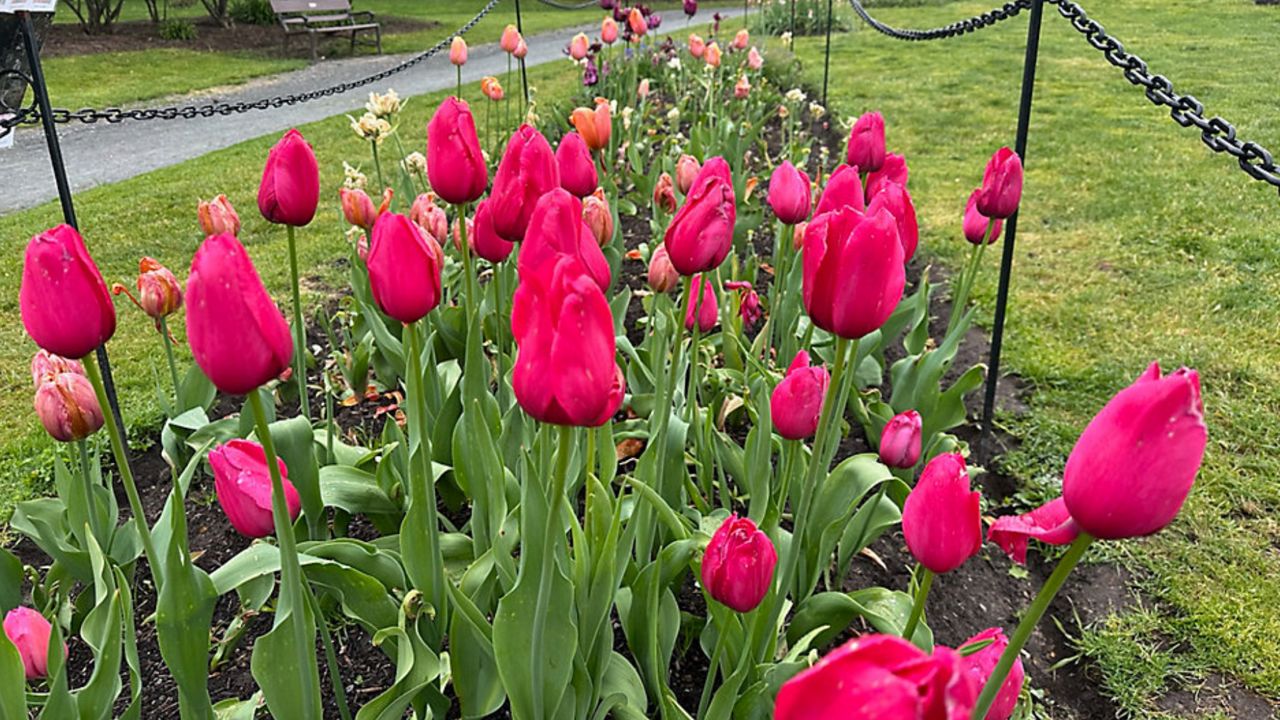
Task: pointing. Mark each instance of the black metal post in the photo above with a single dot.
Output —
(826, 66)
(524, 75)
(1011, 227)
(41, 91)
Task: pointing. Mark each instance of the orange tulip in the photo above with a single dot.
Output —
(594, 125)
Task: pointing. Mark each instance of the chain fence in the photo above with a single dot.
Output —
(568, 6)
(961, 27)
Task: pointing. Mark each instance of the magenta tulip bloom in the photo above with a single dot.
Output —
(1001, 189)
(701, 232)
(242, 482)
(843, 189)
(30, 632)
(404, 268)
(976, 224)
(455, 165)
(796, 402)
(737, 569)
(897, 201)
(527, 172)
(1050, 523)
(65, 305)
(893, 171)
(880, 677)
(577, 169)
(238, 336)
(485, 239)
(942, 518)
(789, 193)
(900, 440)
(702, 300)
(981, 664)
(290, 188)
(866, 143)
(68, 407)
(557, 230)
(853, 271)
(565, 371)
(1133, 466)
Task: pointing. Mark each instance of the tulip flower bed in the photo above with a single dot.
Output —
(578, 498)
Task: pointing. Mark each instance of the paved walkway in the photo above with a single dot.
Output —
(101, 153)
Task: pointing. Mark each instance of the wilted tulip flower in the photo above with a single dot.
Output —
(662, 274)
(510, 39)
(68, 407)
(690, 7)
(565, 371)
(1050, 523)
(900, 440)
(159, 292)
(703, 309)
(1134, 464)
(796, 402)
(697, 45)
(664, 193)
(897, 201)
(528, 171)
(590, 74)
(458, 51)
(637, 22)
(687, 169)
(485, 240)
(598, 217)
(654, 21)
(844, 189)
(455, 165)
(748, 303)
(217, 216)
(242, 482)
(45, 364)
(853, 271)
(491, 88)
(711, 55)
(976, 224)
(557, 230)
(742, 88)
(982, 663)
(880, 677)
(579, 46)
(755, 60)
(866, 143)
(741, 40)
(65, 305)
(797, 237)
(737, 568)
(894, 170)
(290, 187)
(358, 207)
(404, 269)
(789, 193)
(1001, 189)
(608, 31)
(701, 232)
(238, 336)
(594, 125)
(577, 169)
(430, 217)
(942, 517)
(30, 632)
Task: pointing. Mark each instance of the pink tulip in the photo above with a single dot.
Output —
(789, 193)
(455, 165)
(844, 189)
(1001, 189)
(579, 46)
(697, 46)
(237, 334)
(556, 230)
(701, 232)
(430, 217)
(521, 50)
(30, 632)
(1134, 464)
(290, 187)
(609, 31)
(796, 402)
(242, 482)
(897, 201)
(68, 407)
(65, 305)
(755, 60)
(662, 274)
(981, 664)
(942, 518)
(853, 271)
(703, 307)
(485, 239)
(737, 568)
(159, 292)
(664, 193)
(638, 24)
(358, 207)
(404, 269)
(1050, 523)
(741, 39)
(976, 224)
(510, 39)
(598, 217)
(880, 677)
(742, 88)
(577, 169)
(642, 90)
(748, 303)
(894, 170)
(457, 234)
(565, 371)
(458, 51)
(866, 143)
(217, 216)
(45, 364)
(687, 169)
(900, 440)
(711, 55)
(527, 172)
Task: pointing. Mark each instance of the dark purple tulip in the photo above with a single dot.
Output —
(690, 7)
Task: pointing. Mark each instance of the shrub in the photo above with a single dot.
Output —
(177, 29)
(252, 12)
(774, 18)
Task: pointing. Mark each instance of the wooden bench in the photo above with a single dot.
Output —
(314, 18)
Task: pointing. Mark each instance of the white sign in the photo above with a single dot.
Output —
(35, 6)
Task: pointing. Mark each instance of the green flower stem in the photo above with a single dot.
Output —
(330, 658)
(116, 435)
(965, 284)
(422, 486)
(778, 289)
(299, 330)
(163, 326)
(917, 604)
(86, 486)
(468, 280)
(1029, 620)
(553, 533)
(705, 475)
(499, 301)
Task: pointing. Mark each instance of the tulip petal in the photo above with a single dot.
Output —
(1050, 523)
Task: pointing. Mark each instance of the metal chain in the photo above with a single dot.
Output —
(1185, 110)
(568, 6)
(30, 115)
(978, 22)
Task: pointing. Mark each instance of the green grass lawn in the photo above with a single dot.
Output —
(1136, 244)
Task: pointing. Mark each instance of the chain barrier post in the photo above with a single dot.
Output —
(826, 65)
(524, 75)
(1011, 227)
(41, 91)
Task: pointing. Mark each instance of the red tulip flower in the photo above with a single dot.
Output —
(701, 232)
(900, 440)
(789, 193)
(577, 169)
(65, 305)
(942, 518)
(404, 269)
(30, 632)
(796, 403)
(290, 187)
(897, 201)
(853, 271)
(237, 334)
(557, 230)
(893, 171)
(455, 164)
(68, 406)
(976, 224)
(485, 239)
(242, 482)
(217, 216)
(703, 309)
(528, 171)
(982, 663)
(737, 569)
(1050, 523)
(843, 189)
(1001, 189)
(866, 143)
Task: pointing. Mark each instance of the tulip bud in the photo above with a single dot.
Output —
(942, 518)
(30, 632)
(701, 232)
(455, 165)
(290, 187)
(900, 440)
(577, 169)
(404, 269)
(844, 189)
(664, 193)
(635, 20)
(457, 234)
(976, 224)
(527, 172)
(755, 60)
(687, 169)
(741, 40)
(702, 306)
(358, 208)
(598, 217)
(237, 335)
(1134, 464)
(594, 125)
(458, 51)
(894, 170)
(742, 88)
(789, 193)
(521, 50)
(796, 402)
(557, 230)
(853, 271)
(159, 292)
(68, 407)
(737, 568)
(430, 217)
(579, 46)
(711, 55)
(65, 305)
(608, 31)
(242, 482)
(510, 39)
(642, 90)
(45, 364)
(897, 201)
(982, 663)
(697, 45)
(217, 216)
(866, 143)
(662, 274)
(1001, 185)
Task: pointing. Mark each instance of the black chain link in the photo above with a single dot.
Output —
(30, 115)
(1218, 134)
(960, 27)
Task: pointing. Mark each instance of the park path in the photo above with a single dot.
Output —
(103, 153)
